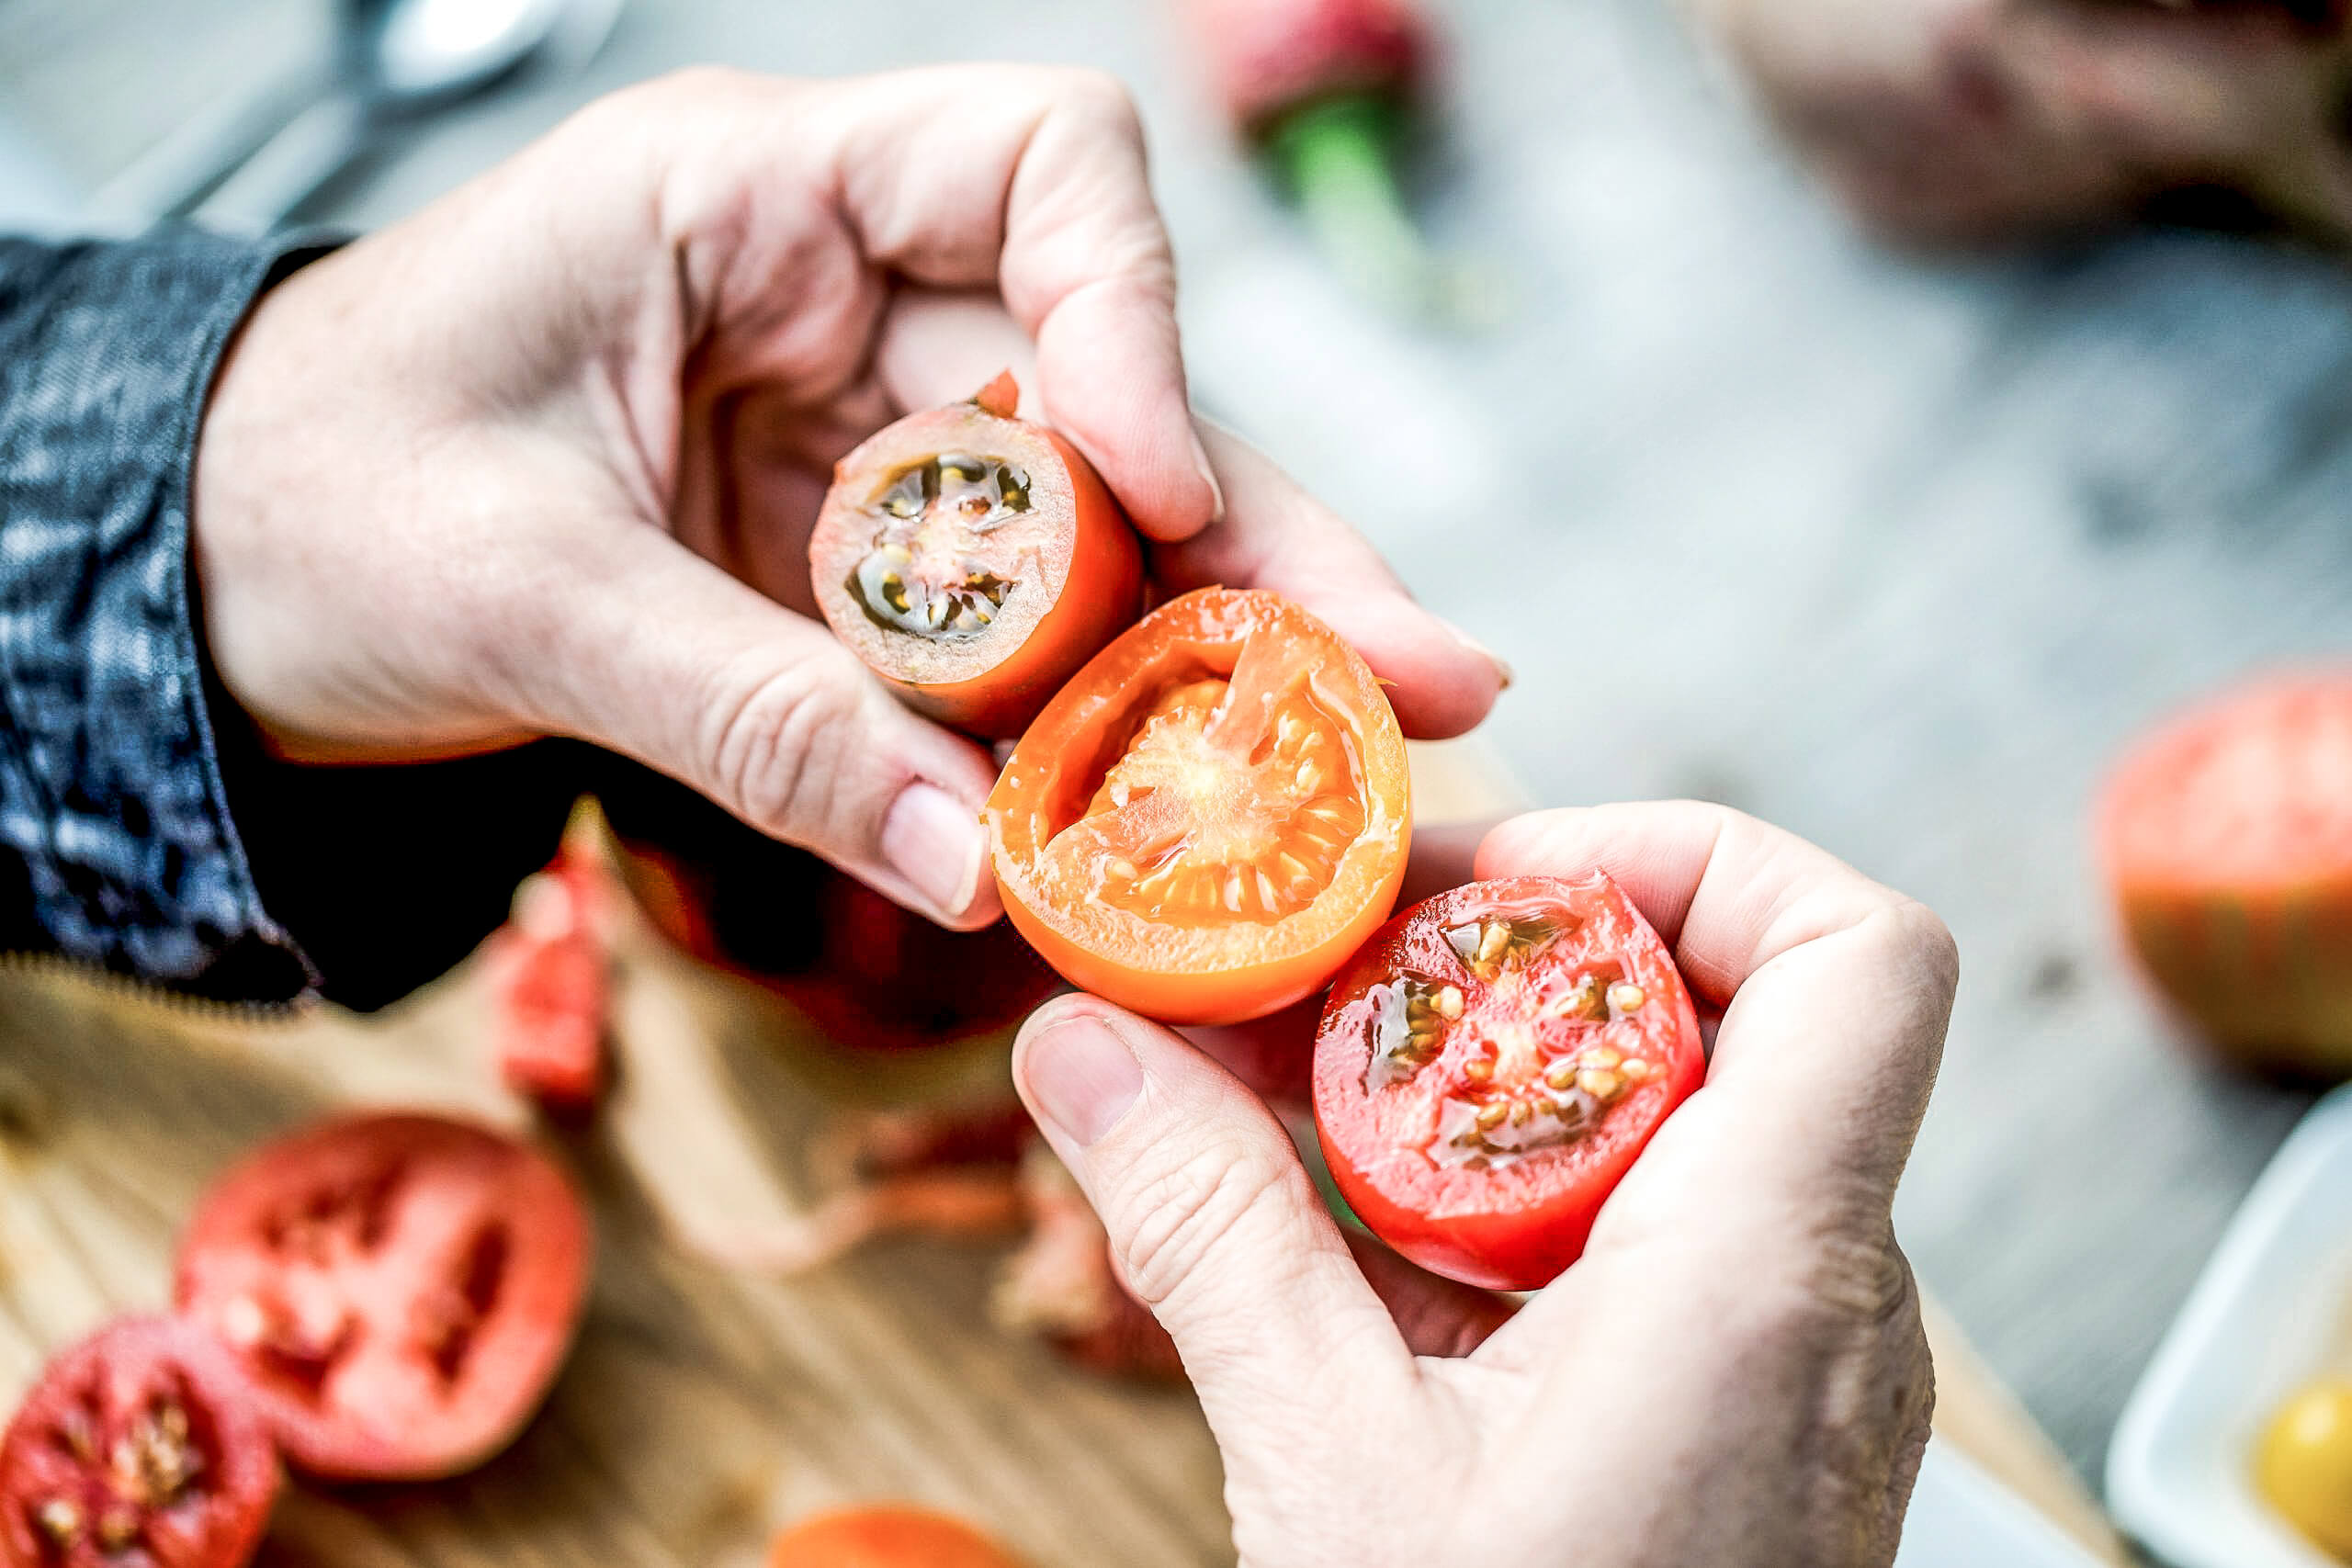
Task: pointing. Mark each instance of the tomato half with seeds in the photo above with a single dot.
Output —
(1491, 1063)
(2227, 838)
(974, 560)
(886, 1536)
(402, 1289)
(140, 1447)
(1205, 822)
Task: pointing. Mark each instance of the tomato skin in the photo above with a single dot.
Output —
(2226, 840)
(1516, 1226)
(551, 989)
(323, 1259)
(92, 1396)
(1088, 563)
(886, 1536)
(1270, 56)
(1210, 971)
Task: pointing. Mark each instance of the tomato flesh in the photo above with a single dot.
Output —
(142, 1446)
(402, 1288)
(1208, 818)
(886, 1536)
(974, 560)
(1489, 1067)
(2227, 838)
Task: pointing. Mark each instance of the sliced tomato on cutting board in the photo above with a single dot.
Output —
(886, 1536)
(142, 1446)
(401, 1289)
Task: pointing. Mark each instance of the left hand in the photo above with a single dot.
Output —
(543, 458)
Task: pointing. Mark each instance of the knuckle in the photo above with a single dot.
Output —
(1099, 98)
(781, 751)
(1184, 1211)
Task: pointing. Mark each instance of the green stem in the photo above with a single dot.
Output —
(1339, 157)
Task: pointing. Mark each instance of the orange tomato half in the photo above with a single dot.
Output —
(1211, 817)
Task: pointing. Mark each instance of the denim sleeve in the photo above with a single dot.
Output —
(116, 845)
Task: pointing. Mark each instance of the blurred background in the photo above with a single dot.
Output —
(1895, 552)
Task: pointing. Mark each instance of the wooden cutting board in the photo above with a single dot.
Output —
(704, 1406)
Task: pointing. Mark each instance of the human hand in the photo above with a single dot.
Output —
(1973, 120)
(1734, 1374)
(543, 458)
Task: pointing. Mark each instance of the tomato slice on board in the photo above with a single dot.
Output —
(886, 1536)
(2227, 838)
(1205, 822)
(974, 560)
(142, 1446)
(551, 988)
(402, 1289)
(1489, 1067)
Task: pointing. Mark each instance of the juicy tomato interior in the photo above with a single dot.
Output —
(1489, 1067)
(886, 1536)
(402, 1288)
(1210, 816)
(973, 560)
(139, 1446)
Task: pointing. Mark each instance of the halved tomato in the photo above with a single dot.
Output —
(140, 1447)
(402, 1289)
(974, 560)
(887, 1534)
(2227, 838)
(1205, 822)
(1489, 1067)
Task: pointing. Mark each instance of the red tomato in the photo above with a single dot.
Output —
(402, 1288)
(886, 1536)
(1270, 56)
(1489, 1067)
(142, 1446)
(2227, 838)
(551, 989)
(1210, 816)
(973, 560)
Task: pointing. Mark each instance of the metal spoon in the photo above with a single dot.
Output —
(249, 166)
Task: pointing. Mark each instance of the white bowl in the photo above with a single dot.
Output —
(2270, 1311)
(1961, 1518)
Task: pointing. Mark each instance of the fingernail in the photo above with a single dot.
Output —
(937, 845)
(1082, 1077)
(1502, 666)
(1208, 477)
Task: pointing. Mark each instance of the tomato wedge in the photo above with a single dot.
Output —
(402, 1289)
(1489, 1067)
(2227, 838)
(886, 1536)
(140, 1447)
(973, 560)
(1205, 822)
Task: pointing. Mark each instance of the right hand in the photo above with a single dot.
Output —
(1734, 1375)
(1977, 120)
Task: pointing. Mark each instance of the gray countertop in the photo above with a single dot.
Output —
(1895, 555)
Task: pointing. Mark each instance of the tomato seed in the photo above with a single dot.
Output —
(1600, 1083)
(1636, 1070)
(61, 1521)
(1562, 1074)
(1478, 1069)
(1625, 998)
(1449, 1002)
(1489, 1117)
(118, 1527)
(1601, 1056)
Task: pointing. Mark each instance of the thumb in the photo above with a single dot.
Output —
(1212, 1221)
(674, 663)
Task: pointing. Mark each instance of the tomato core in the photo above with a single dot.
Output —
(920, 578)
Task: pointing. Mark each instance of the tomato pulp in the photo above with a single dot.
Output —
(1489, 1067)
(402, 1289)
(974, 560)
(2227, 838)
(1210, 816)
(141, 1445)
(886, 1536)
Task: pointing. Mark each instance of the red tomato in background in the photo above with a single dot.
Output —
(142, 1446)
(1490, 1065)
(552, 988)
(886, 1536)
(402, 1288)
(1270, 56)
(973, 560)
(1206, 821)
(2227, 839)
